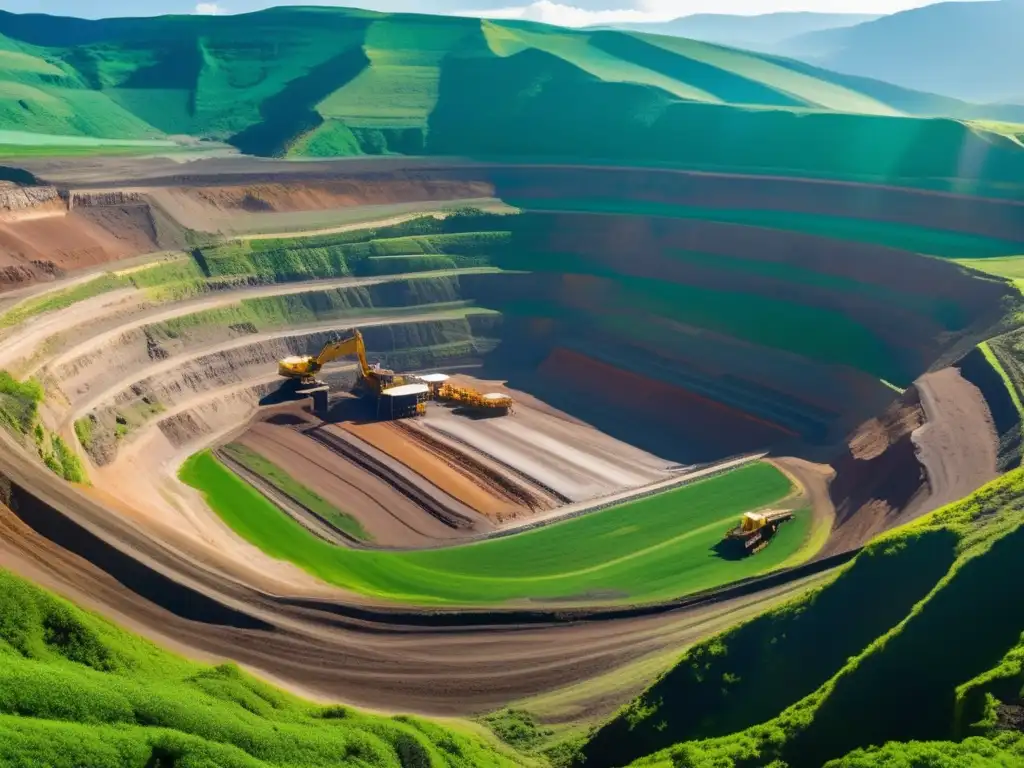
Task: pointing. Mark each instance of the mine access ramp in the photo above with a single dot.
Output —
(755, 530)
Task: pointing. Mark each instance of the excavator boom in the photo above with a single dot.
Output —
(353, 345)
(306, 368)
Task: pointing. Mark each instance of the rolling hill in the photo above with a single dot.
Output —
(765, 32)
(327, 82)
(966, 50)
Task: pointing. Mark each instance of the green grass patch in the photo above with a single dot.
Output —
(292, 488)
(84, 432)
(19, 414)
(166, 280)
(19, 402)
(61, 299)
(517, 728)
(76, 690)
(398, 265)
(16, 144)
(993, 360)
(347, 253)
(69, 465)
(1010, 267)
(657, 547)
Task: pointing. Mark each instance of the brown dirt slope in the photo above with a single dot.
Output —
(47, 247)
(391, 518)
(934, 445)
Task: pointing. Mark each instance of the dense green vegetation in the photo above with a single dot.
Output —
(656, 547)
(75, 690)
(292, 488)
(827, 662)
(19, 144)
(19, 402)
(19, 415)
(329, 82)
(324, 256)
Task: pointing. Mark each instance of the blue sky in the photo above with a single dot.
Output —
(569, 12)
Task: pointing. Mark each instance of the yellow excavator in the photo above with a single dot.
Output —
(305, 369)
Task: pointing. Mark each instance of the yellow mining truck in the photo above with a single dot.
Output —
(491, 403)
(755, 530)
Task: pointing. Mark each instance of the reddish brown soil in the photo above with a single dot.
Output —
(670, 406)
(338, 193)
(448, 476)
(935, 445)
(912, 329)
(388, 516)
(40, 248)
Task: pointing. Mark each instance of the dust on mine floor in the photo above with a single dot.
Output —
(445, 476)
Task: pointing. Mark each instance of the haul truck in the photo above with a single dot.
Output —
(755, 530)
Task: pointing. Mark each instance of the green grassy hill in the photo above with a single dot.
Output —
(877, 657)
(335, 82)
(77, 691)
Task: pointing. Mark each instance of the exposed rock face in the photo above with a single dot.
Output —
(15, 199)
(92, 199)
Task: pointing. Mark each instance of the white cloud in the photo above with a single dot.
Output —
(208, 9)
(571, 16)
(552, 12)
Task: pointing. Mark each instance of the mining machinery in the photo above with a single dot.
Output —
(373, 380)
(305, 369)
(755, 530)
(492, 403)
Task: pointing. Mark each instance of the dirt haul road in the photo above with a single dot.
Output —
(212, 609)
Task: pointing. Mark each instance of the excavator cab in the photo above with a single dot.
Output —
(302, 368)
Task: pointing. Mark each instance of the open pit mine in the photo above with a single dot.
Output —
(445, 436)
(387, 390)
(660, 376)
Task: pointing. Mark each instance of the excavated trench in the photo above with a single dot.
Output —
(691, 340)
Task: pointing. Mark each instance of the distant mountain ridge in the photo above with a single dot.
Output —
(967, 50)
(764, 32)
